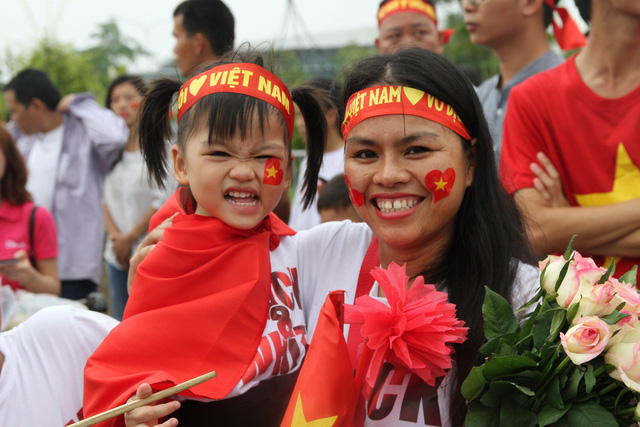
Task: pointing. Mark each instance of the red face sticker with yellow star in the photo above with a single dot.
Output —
(440, 184)
(356, 197)
(272, 172)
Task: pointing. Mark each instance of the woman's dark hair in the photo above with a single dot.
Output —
(135, 81)
(13, 184)
(489, 235)
(584, 7)
(225, 114)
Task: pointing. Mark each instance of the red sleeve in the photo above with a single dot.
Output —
(45, 236)
(522, 137)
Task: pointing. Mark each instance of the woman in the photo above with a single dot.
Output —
(28, 238)
(129, 200)
(433, 201)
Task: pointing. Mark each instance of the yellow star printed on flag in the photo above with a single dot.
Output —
(272, 172)
(626, 183)
(440, 184)
(300, 420)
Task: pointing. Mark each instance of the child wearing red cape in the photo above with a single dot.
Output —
(220, 292)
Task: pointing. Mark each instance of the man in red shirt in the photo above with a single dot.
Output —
(583, 115)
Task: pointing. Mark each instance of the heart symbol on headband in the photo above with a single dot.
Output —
(195, 85)
(413, 95)
(440, 184)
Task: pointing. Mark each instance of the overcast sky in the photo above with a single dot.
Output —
(150, 22)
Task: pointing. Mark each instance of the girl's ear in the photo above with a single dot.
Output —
(179, 165)
(287, 178)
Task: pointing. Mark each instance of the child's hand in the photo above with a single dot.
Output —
(150, 414)
(145, 247)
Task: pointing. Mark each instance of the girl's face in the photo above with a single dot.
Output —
(239, 181)
(125, 100)
(407, 177)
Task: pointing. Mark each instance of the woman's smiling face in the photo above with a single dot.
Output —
(408, 175)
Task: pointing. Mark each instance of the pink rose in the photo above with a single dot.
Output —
(597, 302)
(627, 330)
(628, 294)
(581, 276)
(586, 340)
(625, 356)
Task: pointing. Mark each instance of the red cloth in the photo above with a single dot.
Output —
(556, 113)
(199, 303)
(14, 234)
(325, 388)
(173, 204)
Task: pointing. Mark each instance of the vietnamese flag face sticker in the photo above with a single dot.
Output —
(356, 197)
(272, 172)
(440, 184)
(135, 105)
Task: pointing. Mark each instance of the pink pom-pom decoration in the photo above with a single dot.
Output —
(415, 331)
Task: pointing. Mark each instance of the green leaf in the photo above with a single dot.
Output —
(540, 330)
(590, 414)
(498, 315)
(473, 384)
(553, 394)
(506, 365)
(589, 379)
(514, 414)
(493, 346)
(479, 415)
(569, 251)
(572, 311)
(614, 317)
(535, 299)
(571, 389)
(561, 276)
(557, 323)
(549, 415)
(608, 273)
(630, 276)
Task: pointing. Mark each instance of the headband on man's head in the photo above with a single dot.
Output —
(569, 35)
(389, 100)
(243, 78)
(423, 7)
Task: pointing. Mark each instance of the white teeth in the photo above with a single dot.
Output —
(239, 194)
(395, 206)
(253, 203)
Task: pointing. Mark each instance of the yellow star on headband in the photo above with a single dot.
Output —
(440, 184)
(300, 420)
(272, 172)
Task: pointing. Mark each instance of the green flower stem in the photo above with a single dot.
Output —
(627, 411)
(601, 370)
(537, 399)
(608, 388)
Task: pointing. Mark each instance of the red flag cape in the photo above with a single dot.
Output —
(173, 204)
(199, 303)
(325, 393)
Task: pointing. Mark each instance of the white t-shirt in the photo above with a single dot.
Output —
(330, 257)
(128, 195)
(41, 381)
(332, 165)
(43, 166)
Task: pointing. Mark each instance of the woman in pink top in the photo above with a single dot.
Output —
(17, 242)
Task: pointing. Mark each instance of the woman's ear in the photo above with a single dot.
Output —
(179, 165)
(471, 162)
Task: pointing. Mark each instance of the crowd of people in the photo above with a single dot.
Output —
(179, 188)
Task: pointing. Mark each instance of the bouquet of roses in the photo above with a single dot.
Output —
(574, 360)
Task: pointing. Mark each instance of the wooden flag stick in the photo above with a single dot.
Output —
(138, 403)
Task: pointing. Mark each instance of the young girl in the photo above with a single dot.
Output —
(129, 199)
(227, 265)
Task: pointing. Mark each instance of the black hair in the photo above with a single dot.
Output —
(211, 18)
(32, 83)
(333, 91)
(224, 114)
(135, 81)
(547, 13)
(334, 194)
(584, 7)
(489, 235)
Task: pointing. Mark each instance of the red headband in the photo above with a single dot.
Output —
(388, 100)
(569, 36)
(418, 6)
(247, 79)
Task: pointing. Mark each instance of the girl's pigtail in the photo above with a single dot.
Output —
(155, 127)
(310, 102)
